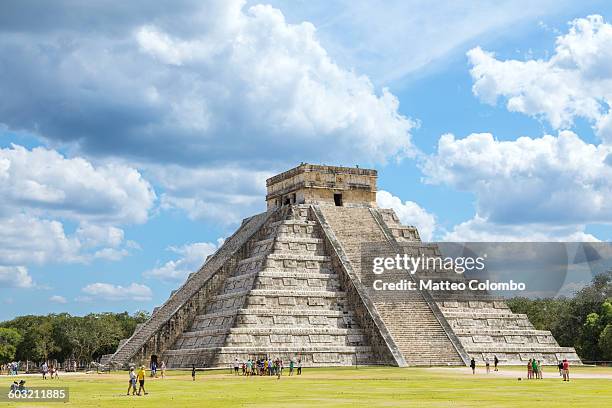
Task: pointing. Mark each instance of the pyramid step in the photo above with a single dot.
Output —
(515, 348)
(275, 330)
(477, 331)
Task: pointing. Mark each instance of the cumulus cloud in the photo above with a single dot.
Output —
(225, 194)
(27, 239)
(192, 257)
(576, 81)
(110, 292)
(530, 188)
(58, 299)
(221, 82)
(42, 190)
(409, 213)
(15, 277)
(552, 179)
(45, 181)
(479, 229)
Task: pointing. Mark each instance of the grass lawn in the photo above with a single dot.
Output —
(335, 387)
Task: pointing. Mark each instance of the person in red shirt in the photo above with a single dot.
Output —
(565, 370)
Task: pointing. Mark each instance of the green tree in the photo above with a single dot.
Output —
(43, 340)
(9, 340)
(93, 335)
(578, 322)
(605, 342)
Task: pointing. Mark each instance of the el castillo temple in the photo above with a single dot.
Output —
(289, 284)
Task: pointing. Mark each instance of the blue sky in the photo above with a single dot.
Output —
(133, 138)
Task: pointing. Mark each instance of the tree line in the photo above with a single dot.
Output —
(62, 336)
(583, 321)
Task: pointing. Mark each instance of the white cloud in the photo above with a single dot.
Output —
(29, 240)
(26, 239)
(551, 180)
(192, 257)
(228, 82)
(110, 292)
(46, 182)
(546, 188)
(222, 194)
(95, 235)
(214, 88)
(409, 213)
(576, 81)
(15, 277)
(288, 89)
(42, 190)
(58, 299)
(479, 229)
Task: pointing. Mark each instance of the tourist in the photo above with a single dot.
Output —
(236, 366)
(560, 367)
(290, 367)
(473, 365)
(529, 370)
(299, 364)
(540, 369)
(566, 370)
(141, 380)
(162, 367)
(495, 363)
(488, 366)
(45, 370)
(534, 366)
(193, 372)
(132, 382)
(153, 369)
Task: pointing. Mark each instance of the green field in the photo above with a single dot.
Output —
(337, 387)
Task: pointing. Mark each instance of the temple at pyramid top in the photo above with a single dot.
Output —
(323, 185)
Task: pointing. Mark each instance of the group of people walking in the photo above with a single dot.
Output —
(50, 370)
(265, 366)
(11, 368)
(137, 377)
(487, 364)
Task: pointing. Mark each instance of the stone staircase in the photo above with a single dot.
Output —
(488, 328)
(483, 323)
(169, 320)
(416, 331)
(282, 300)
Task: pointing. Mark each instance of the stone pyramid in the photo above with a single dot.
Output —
(288, 283)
